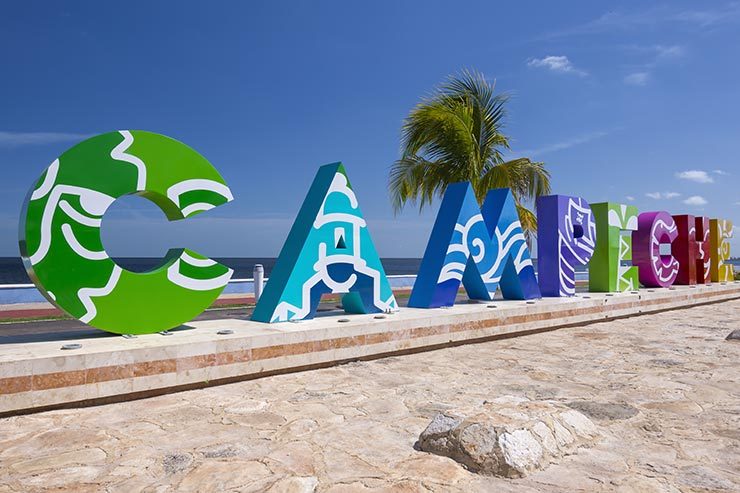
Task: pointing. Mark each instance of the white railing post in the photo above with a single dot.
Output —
(259, 280)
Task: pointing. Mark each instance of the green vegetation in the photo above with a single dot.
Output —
(456, 135)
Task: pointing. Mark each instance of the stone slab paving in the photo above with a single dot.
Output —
(664, 390)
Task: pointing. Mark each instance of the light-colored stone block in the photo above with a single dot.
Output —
(107, 366)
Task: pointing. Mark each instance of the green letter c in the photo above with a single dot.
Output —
(60, 232)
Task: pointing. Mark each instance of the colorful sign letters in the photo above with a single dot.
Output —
(566, 237)
(607, 270)
(329, 249)
(60, 232)
(655, 269)
(692, 249)
(482, 248)
(703, 250)
(720, 232)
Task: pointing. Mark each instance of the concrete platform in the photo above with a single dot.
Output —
(41, 375)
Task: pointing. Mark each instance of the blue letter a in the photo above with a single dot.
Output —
(482, 248)
(328, 250)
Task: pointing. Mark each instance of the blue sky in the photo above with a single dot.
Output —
(623, 101)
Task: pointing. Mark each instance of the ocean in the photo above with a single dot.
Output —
(13, 272)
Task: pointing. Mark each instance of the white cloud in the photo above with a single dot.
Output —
(635, 19)
(705, 18)
(663, 195)
(658, 52)
(695, 175)
(673, 51)
(720, 172)
(557, 64)
(566, 144)
(630, 198)
(695, 200)
(637, 78)
(15, 139)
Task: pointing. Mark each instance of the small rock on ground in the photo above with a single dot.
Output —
(734, 335)
(508, 437)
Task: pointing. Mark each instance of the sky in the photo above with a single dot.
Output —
(629, 102)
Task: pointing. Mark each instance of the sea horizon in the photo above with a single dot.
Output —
(13, 272)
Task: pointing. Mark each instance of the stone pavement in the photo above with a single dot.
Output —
(663, 389)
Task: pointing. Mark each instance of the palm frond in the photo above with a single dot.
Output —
(456, 134)
(527, 179)
(416, 180)
(528, 219)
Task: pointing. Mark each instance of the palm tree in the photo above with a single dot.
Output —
(456, 135)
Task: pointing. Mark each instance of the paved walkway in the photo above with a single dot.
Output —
(667, 386)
